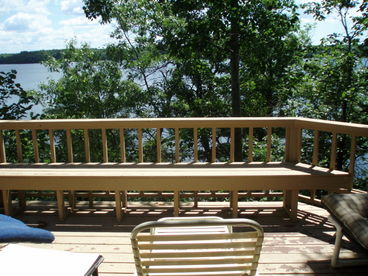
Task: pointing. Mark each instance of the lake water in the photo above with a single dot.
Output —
(30, 76)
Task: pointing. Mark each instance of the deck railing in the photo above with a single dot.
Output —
(176, 140)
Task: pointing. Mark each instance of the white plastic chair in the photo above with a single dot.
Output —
(197, 246)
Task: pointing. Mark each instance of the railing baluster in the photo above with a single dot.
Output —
(105, 155)
(52, 146)
(352, 155)
(69, 144)
(269, 144)
(177, 146)
(298, 144)
(122, 146)
(286, 149)
(213, 147)
(195, 144)
(2, 148)
(35, 146)
(140, 146)
(87, 149)
(315, 158)
(158, 145)
(19, 146)
(333, 152)
(315, 148)
(232, 144)
(250, 145)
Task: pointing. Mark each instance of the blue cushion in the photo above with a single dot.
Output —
(13, 230)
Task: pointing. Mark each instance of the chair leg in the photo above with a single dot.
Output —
(336, 252)
(335, 261)
(95, 273)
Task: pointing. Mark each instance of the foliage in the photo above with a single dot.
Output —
(14, 101)
(197, 37)
(334, 84)
(206, 46)
(90, 87)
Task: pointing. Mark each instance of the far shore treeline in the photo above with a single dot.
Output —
(25, 57)
(40, 56)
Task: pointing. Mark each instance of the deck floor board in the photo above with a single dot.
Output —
(290, 248)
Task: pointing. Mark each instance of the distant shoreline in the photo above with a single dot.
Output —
(30, 57)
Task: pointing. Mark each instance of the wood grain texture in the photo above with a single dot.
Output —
(289, 249)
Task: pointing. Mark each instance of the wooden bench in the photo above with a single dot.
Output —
(290, 175)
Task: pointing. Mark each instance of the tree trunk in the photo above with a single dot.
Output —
(235, 79)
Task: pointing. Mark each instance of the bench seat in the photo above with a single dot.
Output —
(235, 176)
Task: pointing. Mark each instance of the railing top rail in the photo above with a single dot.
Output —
(218, 122)
(225, 122)
(332, 126)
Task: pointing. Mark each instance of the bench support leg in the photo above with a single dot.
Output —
(195, 200)
(234, 204)
(125, 199)
(7, 202)
(118, 206)
(60, 204)
(72, 200)
(22, 200)
(291, 203)
(176, 203)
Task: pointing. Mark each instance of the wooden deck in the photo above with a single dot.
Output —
(290, 248)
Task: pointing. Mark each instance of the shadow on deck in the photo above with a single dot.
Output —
(290, 248)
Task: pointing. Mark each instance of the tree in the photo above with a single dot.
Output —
(91, 86)
(334, 85)
(201, 37)
(15, 102)
(341, 65)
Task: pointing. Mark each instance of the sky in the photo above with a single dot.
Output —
(29, 25)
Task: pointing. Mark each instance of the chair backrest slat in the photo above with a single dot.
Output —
(196, 246)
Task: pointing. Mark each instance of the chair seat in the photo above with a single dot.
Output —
(351, 211)
(18, 260)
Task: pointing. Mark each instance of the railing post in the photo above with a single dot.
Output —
(213, 146)
(250, 145)
(69, 145)
(140, 146)
(52, 146)
(269, 144)
(293, 142)
(2, 148)
(232, 145)
(333, 151)
(177, 145)
(352, 159)
(35, 146)
(19, 146)
(105, 154)
(158, 145)
(122, 146)
(195, 144)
